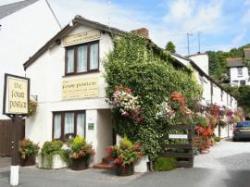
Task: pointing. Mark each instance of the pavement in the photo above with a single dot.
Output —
(226, 165)
(4, 162)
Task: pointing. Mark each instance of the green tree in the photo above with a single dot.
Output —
(170, 47)
(217, 65)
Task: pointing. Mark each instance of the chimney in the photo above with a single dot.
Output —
(141, 32)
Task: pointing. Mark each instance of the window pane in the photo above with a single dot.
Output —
(70, 61)
(80, 124)
(94, 56)
(57, 126)
(69, 123)
(82, 59)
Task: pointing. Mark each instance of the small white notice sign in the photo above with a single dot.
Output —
(178, 136)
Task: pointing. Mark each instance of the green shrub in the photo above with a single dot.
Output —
(164, 164)
(79, 149)
(27, 148)
(52, 148)
(217, 139)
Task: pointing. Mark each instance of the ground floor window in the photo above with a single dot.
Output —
(68, 124)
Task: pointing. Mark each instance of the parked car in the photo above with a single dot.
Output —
(242, 131)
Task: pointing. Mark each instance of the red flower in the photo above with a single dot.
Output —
(109, 150)
(118, 161)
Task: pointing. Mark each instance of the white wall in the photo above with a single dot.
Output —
(234, 76)
(21, 35)
(202, 61)
(104, 133)
(216, 95)
(46, 75)
(206, 85)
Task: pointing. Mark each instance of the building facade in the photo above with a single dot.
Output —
(68, 81)
(25, 26)
(238, 69)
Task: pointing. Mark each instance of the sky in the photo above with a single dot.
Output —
(221, 24)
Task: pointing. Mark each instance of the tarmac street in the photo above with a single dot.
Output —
(226, 165)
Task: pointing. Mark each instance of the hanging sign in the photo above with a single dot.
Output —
(16, 95)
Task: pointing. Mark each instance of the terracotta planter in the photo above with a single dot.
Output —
(79, 164)
(28, 161)
(126, 170)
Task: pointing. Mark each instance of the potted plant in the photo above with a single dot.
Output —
(28, 151)
(125, 155)
(53, 156)
(79, 153)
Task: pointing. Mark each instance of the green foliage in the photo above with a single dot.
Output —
(170, 47)
(218, 65)
(79, 149)
(200, 120)
(242, 95)
(52, 148)
(152, 78)
(126, 153)
(164, 164)
(217, 139)
(243, 98)
(27, 148)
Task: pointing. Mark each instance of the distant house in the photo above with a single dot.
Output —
(238, 70)
(24, 27)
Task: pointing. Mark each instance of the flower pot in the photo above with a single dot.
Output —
(57, 162)
(28, 161)
(79, 164)
(126, 170)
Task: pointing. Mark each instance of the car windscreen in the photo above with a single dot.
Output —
(243, 124)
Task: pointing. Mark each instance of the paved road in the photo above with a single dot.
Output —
(227, 165)
(4, 162)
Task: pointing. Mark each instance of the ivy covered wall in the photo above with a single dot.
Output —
(151, 77)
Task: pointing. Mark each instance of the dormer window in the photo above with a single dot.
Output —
(82, 58)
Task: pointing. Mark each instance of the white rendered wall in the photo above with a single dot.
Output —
(235, 77)
(206, 90)
(104, 134)
(201, 60)
(216, 95)
(46, 75)
(21, 35)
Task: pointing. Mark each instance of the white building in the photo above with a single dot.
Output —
(213, 92)
(67, 66)
(238, 71)
(25, 26)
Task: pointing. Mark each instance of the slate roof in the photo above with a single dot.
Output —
(6, 10)
(235, 62)
(78, 20)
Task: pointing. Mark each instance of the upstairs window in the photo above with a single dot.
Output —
(82, 58)
(240, 73)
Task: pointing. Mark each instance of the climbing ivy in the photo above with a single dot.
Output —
(135, 64)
